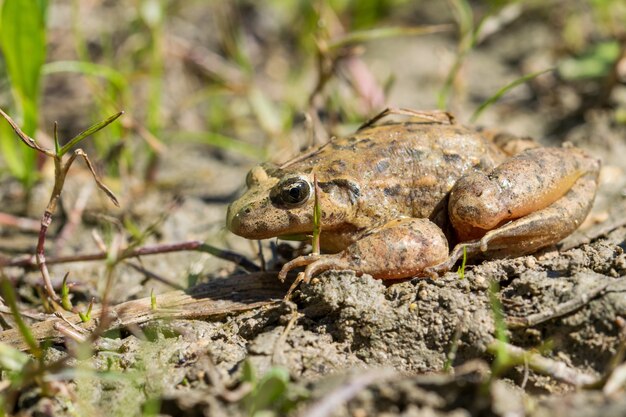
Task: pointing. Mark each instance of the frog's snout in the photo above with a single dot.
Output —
(243, 219)
(233, 219)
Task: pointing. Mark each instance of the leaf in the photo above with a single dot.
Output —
(248, 373)
(89, 131)
(271, 389)
(597, 62)
(265, 110)
(12, 359)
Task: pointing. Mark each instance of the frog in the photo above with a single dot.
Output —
(397, 194)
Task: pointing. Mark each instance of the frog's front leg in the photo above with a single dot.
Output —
(401, 248)
(530, 201)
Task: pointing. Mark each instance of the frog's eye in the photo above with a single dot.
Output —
(291, 192)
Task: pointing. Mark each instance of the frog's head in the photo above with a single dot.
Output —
(278, 202)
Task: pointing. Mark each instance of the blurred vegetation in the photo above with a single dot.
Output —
(244, 80)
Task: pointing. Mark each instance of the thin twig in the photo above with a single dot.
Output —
(558, 311)
(154, 276)
(331, 402)
(32, 316)
(193, 245)
(280, 342)
(69, 333)
(22, 223)
(74, 216)
(616, 375)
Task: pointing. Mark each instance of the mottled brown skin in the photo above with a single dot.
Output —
(393, 197)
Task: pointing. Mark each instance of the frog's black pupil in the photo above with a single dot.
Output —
(294, 193)
(291, 192)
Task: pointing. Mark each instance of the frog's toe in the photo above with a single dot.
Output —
(295, 263)
(324, 264)
(315, 264)
(466, 249)
(436, 270)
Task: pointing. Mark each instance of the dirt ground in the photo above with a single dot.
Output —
(353, 346)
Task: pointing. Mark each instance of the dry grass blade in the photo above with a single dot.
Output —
(104, 188)
(435, 116)
(30, 142)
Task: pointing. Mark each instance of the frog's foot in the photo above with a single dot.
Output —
(531, 201)
(315, 264)
(468, 249)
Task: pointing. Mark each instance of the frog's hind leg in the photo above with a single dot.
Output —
(401, 248)
(543, 227)
(529, 202)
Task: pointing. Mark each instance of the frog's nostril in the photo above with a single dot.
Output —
(247, 210)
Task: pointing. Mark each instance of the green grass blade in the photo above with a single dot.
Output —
(223, 142)
(89, 131)
(11, 152)
(317, 218)
(8, 294)
(23, 42)
(485, 104)
(468, 34)
(24, 46)
(361, 36)
(87, 68)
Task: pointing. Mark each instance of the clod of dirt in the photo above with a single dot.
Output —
(406, 326)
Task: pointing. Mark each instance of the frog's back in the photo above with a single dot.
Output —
(402, 168)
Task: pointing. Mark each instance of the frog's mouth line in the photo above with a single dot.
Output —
(300, 237)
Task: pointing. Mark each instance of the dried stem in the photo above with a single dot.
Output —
(555, 369)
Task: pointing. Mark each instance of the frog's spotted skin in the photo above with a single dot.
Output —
(402, 187)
